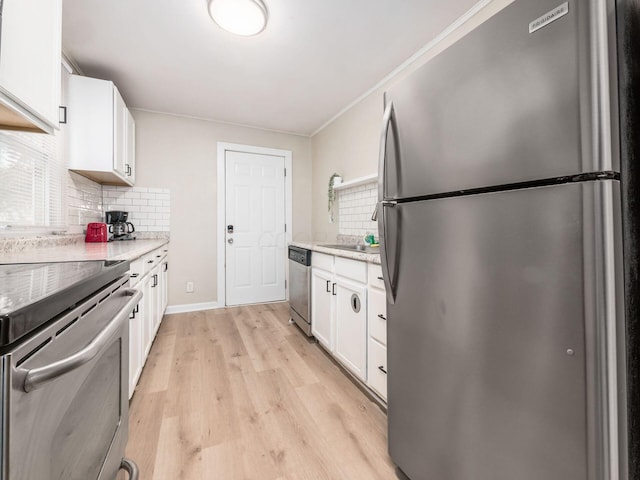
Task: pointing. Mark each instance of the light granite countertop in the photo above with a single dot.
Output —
(362, 256)
(81, 251)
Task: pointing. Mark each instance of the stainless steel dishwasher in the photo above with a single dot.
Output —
(300, 290)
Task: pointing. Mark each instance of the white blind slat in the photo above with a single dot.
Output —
(31, 180)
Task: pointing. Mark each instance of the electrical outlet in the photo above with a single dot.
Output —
(189, 287)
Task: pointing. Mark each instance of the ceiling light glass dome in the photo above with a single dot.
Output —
(242, 17)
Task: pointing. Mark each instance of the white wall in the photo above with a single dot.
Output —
(179, 153)
(349, 144)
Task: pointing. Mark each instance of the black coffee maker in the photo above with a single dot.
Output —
(119, 228)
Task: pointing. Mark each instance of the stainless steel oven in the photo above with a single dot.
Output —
(64, 386)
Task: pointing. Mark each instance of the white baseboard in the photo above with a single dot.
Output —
(191, 307)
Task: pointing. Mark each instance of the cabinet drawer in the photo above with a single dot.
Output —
(377, 362)
(375, 276)
(323, 261)
(136, 271)
(149, 261)
(377, 310)
(159, 254)
(353, 269)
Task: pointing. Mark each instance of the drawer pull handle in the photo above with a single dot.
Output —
(381, 368)
(333, 289)
(134, 275)
(328, 283)
(355, 303)
(382, 317)
(381, 279)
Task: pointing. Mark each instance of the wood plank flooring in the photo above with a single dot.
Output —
(238, 393)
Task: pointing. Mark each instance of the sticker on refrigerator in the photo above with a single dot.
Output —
(547, 18)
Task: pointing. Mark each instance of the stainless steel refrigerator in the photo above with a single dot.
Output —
(508, 220)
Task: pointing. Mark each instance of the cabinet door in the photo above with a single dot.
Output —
(30, 56)
(164, 285)
(155, 299)
(130, 142)
(135, 349)
(351, 326)
(322, 307)
(149, 313)
(377, 368)
(120, 133)
(89, 129)
(377, 311)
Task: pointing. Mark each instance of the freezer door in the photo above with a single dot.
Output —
(502, 106)
(502, 333)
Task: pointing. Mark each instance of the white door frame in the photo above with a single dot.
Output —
(223, 147)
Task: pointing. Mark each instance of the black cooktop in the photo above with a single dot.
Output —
(33, 294)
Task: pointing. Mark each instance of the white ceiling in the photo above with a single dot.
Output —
(314, 58)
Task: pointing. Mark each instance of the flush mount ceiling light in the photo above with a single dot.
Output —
(242, 17)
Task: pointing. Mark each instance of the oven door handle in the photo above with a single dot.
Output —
(37, 377)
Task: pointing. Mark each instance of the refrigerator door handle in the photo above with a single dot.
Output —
(387, 120)
(384, 257)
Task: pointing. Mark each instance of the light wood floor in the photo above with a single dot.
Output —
(239, 393)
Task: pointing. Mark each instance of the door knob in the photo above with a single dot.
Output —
(230, 240)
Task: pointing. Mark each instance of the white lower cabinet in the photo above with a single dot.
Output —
(339, 309)
(351, 326)
(349, 316)
(136, 346)
(377, 367)
(377, 340)
(322, 307)
(149, 274)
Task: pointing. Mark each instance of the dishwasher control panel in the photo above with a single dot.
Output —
(300, 255)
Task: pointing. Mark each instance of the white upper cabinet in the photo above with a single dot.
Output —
(30, 56)
(100, 131)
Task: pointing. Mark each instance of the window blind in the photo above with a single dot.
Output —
(32, 181)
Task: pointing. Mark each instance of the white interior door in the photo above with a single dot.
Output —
(254, 228)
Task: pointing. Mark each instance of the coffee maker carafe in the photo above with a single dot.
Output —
(119, 228)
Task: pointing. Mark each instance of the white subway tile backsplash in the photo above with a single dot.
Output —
(355, 207)
(149, 208)
(84, 201)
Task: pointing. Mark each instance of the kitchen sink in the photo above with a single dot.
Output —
(353, 248)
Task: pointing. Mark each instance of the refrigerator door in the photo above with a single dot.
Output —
(503, 105)
(501, 337)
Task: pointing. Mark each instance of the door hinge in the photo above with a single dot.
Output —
(285, 284)
(285, 172)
